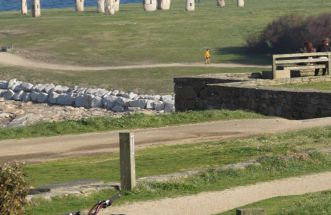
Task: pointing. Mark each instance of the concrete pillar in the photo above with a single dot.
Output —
(127, 161)
(36, 8)
(164, 4)
(110, 7)
(241, 3)
(190, 5)
(101, 6)
(150, 5)
(79, 5)
(220, 3)
(117, 5)
(24, 7)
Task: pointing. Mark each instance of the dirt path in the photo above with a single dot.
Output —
(47, 148)
(14, 60)
(216, 202)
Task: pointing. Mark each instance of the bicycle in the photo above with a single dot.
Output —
(101, 204)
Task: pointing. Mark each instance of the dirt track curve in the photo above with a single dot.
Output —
(48, 148)
(14, 60)
(208, 203)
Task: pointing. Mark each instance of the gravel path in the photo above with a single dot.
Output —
(48, 148)
(216, 202)
(14, 60)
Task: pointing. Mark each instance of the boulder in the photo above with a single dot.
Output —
(18, 96)
(65, 99)
(150, 104)
(8, 94)
(109, 101)
(42, 97)
(48, 88)
(52, 99)
(3, 84)
(61, 89)
(158, 105)
(115, 92)
(96, 102)
(118, 108)
(122, 101)
(11, 84)
(38, 88)
(26, 97)
(26, 86)
(166, 98)
(169, 107)
(141, 103)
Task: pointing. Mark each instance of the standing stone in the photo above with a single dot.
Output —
(79, 5)
(241, 3)
(150, 5)
(36, 8)
(101, 6)
(117, 5)
(110, 7)
(164, 4)
(221, 3)
(24, 7)
(190, 5)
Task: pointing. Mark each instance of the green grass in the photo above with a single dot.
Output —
(151, 81)
(324, 86)
(128, 121)
(135, 37)
(309, 204)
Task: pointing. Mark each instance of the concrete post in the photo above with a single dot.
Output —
(117, 5)
(24, 7)
(190, 5)
(79, 5)
(150, 5)
(220, 3)
(241, 3)
(101, 6)
(36, 8)
(110, 7)
(127, 161)
(164, 4)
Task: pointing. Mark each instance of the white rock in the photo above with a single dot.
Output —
(150, 104)
(48, 88)
(115, 92)
(11, 83)
(39, 87)
(61, 89)
(166, 98)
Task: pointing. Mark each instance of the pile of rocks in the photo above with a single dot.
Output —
(115, 100)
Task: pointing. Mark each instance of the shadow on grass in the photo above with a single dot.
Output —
(244, 56)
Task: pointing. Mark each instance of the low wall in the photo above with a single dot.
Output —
(114, 100)
(253, 96)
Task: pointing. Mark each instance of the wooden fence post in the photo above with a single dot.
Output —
(127, 161)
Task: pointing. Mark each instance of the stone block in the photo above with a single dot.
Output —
(65, 99)
(3, 84)
(280, 74)
(96, 102)
(52, 99)
(118, 108)
(61, 89)
(169, 107)
(8, 94)
(250, 211)
(18, 96)
(26, 86)
(26, 97)
(158, 105)
(109, 101)
(42, 97)
(141, 103)
(11, 84)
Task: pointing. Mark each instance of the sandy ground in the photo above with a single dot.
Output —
(48, 148)
(216, 202)
(14, 60)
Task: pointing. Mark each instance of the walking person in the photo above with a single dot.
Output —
(207, 56)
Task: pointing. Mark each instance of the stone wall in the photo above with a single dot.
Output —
(114, 100)
(202, 93)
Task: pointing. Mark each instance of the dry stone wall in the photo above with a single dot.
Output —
(217, 93)
(115, 100)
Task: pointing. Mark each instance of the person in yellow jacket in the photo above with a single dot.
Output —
(207, 56)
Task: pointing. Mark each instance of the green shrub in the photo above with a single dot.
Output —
(13, 189)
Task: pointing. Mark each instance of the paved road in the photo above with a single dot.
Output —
(14, 60)
(48, 148)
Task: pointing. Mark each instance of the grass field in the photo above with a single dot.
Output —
(280, 156)
(324, 86)
(150, 81)
(136, 37)
(310, 204)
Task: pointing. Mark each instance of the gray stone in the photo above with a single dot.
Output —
(118, 108)
(150, 104)
(66, 99)
(16, 86)
(8, 94)
(166, 98)
(141, 103)
(19, 121)
(96, 102)
(48, 88)
(83, 101)
(42, 97)
(39, 87)
(52, 99)
(18, 96)
(158, 105)
(26, 86)
(3, 84)
(169, 107)
(61, 89)
(132, 95)
(122, 101)
(109, 101)
(114, 92)
(26, 97)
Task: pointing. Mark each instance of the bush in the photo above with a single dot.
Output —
(13, 189)
(288, 33)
